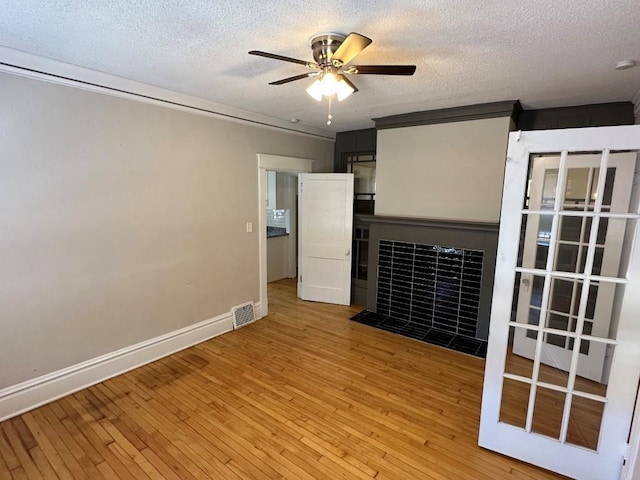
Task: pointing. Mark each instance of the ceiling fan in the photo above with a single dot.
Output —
(332, 53)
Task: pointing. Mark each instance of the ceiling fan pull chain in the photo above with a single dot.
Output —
(329, 117)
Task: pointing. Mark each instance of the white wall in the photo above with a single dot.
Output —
(121, 221)
(442, 171)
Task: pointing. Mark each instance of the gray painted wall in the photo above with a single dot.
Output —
(121, 221)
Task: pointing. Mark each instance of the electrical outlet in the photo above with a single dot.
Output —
(249, 227)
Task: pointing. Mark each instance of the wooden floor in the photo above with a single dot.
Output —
(302, 394)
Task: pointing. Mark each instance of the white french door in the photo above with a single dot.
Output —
(325, 208)
(563, 358)
(571, 247)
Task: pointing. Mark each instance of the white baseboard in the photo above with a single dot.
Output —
(31, 394)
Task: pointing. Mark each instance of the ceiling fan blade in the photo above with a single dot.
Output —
(381, 70)
(292, 79)
(283, 58)
(349, 82)
(350, 48)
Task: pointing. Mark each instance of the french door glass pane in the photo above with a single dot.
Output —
(552, 375)
(585, 419)
(547, 414)
(578, 185)
(515, 400)
(608, 187)
(518, 364)
(549, 189)
(586, 385)
(571, 229)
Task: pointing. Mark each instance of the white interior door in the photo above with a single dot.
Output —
(558, 417)
(571, 247)
(325, 207)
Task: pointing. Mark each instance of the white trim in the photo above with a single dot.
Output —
(279, 163)
(32, 66)
(31, 394)
(636, 106)
(276, 163)
(631, 468)
(592, 139)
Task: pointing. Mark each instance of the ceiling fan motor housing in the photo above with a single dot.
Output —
(324, 45)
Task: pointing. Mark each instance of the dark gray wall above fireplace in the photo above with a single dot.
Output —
(456, 234)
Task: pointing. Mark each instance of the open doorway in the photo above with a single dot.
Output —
(282, 225)
(275, 163)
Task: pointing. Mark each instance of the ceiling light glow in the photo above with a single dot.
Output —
(329, 85)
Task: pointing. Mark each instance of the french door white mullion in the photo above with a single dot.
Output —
(557, 206)
(591, 396)
(519, 378)
(554, 387)
(589, 188)
(583, 225)
(557, 388)
(573, 243)
(578, 276)
(555, 331)
(578, 213)
(584, 294)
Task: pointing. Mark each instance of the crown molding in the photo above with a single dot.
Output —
(28, 65)
(509, 108)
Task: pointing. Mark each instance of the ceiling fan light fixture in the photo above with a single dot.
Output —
(333, 53)
(344, 89)
(315, 90)
(325, 86)
(329, 85)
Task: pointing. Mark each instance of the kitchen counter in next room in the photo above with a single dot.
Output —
(276, 232)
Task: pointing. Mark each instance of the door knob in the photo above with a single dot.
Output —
(347, 253)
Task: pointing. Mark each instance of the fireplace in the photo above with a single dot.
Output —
(430, 285)
(432, 280)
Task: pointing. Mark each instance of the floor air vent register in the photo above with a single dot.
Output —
(243, 315)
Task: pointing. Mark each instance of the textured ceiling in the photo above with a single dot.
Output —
(547, 53)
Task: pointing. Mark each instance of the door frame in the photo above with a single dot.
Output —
(623, 385)
(277, 163)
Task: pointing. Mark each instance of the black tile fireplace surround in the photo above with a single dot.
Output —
(430, 285)
(432, 280)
